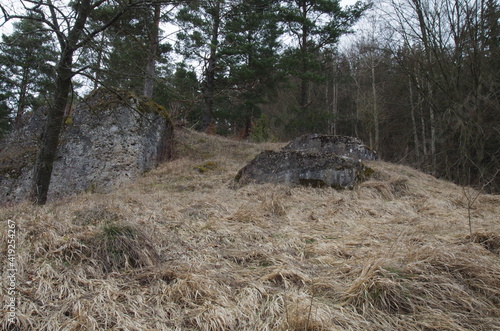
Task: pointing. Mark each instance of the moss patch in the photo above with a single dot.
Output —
(104, 99)
(207, 166)
(366, 173)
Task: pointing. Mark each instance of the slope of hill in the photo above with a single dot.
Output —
(184, 248)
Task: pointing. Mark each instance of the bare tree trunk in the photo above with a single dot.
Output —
(429, 76)
(433, 139)
(335, 105)
(209, 88)
(413, 121)
(21, 105)
(150, 78)
(356, 107)
(375, 107)
(304, 83)
(97, 73)
(422, 123)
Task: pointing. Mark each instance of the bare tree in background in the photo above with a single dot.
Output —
(455, 69)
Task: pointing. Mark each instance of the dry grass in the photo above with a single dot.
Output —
(186, 249)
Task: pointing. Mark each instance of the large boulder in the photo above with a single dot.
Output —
(300, 168)
(110, 139)
(311, 160)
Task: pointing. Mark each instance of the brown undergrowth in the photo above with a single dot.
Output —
(184, 249)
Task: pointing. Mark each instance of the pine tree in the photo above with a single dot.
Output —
(236, 43)
(26, 69)
(311, 27)
(202, 23)
(251, 47)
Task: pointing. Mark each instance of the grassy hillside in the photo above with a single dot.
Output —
(184, 248)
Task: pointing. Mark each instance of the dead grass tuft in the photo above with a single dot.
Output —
(119, 246)
(303, 313)
(382, 188)
(286, 278)
(95, 215)
(490, 241)
(273, 204)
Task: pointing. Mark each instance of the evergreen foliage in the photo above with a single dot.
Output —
(26, 68)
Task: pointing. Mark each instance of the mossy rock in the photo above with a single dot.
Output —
(301, 168)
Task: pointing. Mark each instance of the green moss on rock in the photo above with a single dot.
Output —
(366, 173)
(103, 99)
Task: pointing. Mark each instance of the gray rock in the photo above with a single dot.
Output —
(17, 156)
(339, 145)
(110, 139)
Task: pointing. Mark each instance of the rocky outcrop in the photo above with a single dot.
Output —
(311, 160)
(110, 139)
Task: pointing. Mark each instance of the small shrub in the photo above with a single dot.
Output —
(261, 131)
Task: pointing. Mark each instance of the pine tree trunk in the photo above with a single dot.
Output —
(21, 105)
(375, 108)
(97, 73)
(209, 89)
(149, 80)
(304, 84)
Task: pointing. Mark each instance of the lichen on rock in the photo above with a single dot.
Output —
(339, 145)
(115, 137)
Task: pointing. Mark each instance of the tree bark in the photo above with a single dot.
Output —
(21, 105)
(209, 88)
(50, 139)
(97, 72)
(420, 11)
(375, 107)
(413, 121)
(335, 101)
(304, 83)
(152, 53)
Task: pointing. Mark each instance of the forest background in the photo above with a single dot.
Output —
(417, 80)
